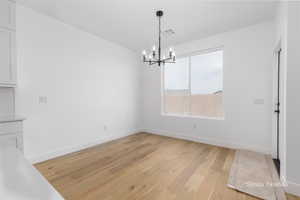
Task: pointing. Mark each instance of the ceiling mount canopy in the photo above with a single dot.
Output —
(159, 13)
(156, 57)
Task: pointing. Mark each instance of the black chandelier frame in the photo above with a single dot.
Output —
(153, 57)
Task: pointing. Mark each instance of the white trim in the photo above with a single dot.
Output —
(71, 149)
(7, 28)
(274, 102)
(11, 82)
(8, 85)
(277, 47)
(292, 188)
(211, 141)
(191, 116)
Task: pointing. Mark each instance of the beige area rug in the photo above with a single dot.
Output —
(255, 174)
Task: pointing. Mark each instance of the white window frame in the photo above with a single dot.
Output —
(189, 55)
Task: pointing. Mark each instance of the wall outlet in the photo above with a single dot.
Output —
(43, 99)
(259, 101)
(105, 128)
(194, 126)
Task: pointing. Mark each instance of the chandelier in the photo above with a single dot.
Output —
(156, 57)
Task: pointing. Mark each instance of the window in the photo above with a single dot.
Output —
(193, 86)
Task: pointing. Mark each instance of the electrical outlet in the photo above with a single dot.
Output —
(194, 126)
(105, 128)
(43, 99)
(259, 101)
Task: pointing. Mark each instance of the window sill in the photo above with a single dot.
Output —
(191, 116)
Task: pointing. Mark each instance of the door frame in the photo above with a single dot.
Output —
(277, 146)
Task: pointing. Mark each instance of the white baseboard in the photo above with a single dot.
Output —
(293, 188)
(211, 141)
(71, 149)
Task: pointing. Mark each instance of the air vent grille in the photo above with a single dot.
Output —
(168, 32)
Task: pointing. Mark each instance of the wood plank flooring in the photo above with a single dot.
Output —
(144, 167)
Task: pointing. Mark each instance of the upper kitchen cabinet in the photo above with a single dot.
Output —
(7, 58)
(7, 44)
(8, 14)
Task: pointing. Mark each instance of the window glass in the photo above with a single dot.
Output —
(176, 91)
(194, 86)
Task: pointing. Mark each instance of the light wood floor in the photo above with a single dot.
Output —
(144, 167)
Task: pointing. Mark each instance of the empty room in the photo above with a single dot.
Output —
(149, 100)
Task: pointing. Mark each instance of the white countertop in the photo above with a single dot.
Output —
(11, 118)
(19, 180)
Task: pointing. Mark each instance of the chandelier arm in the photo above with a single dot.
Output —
(153, 60)
(153, 63)
(166, 59)
(169, 62)
(149, 61)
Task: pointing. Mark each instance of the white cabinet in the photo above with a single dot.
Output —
(19, 180)
(13, 130)
(7, 44)
(7, 58)
(7, 14)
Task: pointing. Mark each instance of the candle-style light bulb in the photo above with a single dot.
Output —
(153, 51)
(170, 52)
(144, 53)
(153, 48)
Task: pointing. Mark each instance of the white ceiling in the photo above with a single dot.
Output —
(132, 23)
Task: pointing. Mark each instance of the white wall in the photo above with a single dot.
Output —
(89, 83)
(293, 98)
(288, 29)
(248, 63)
